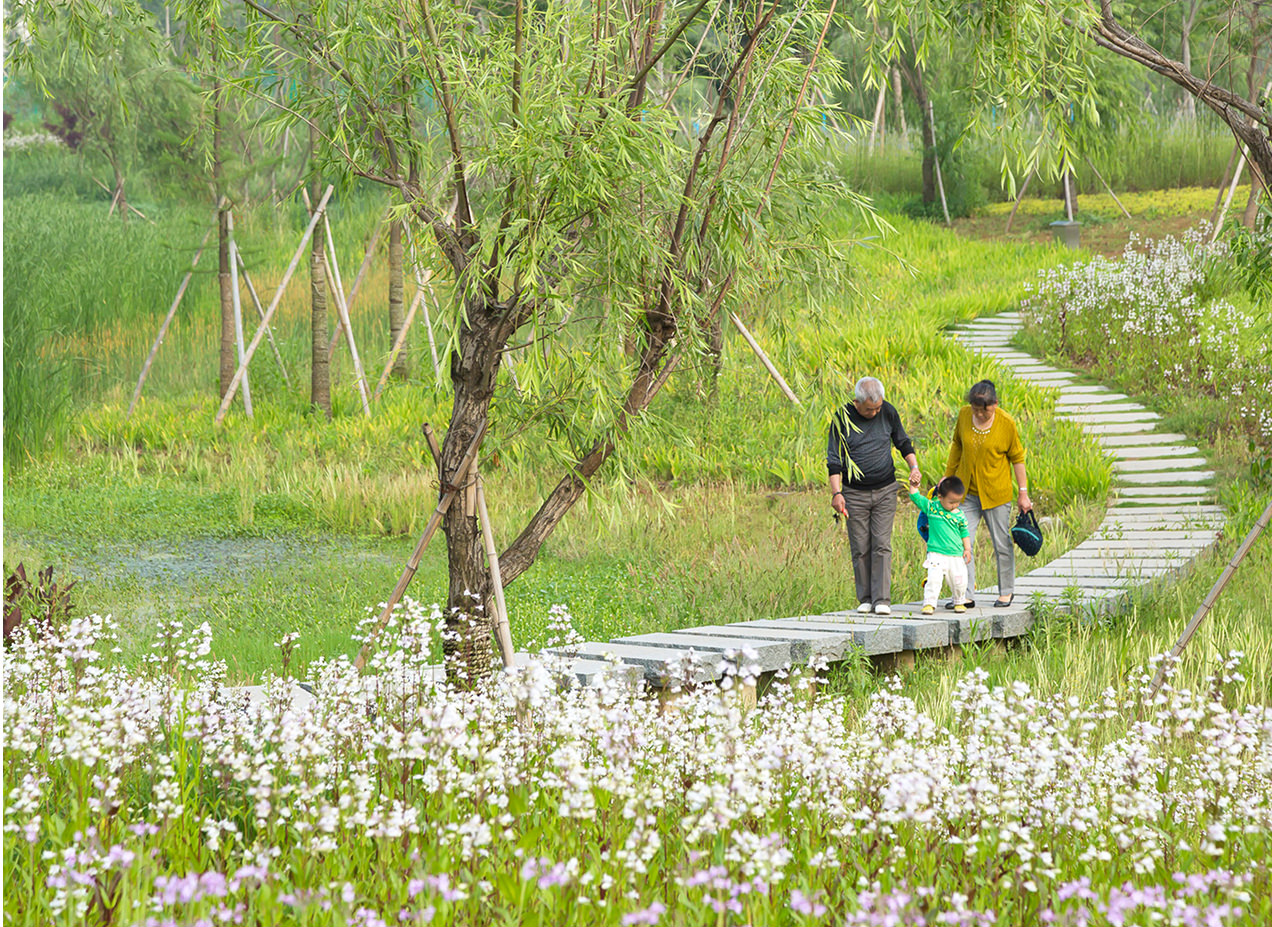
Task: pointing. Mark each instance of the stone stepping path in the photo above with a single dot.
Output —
(1160, 519)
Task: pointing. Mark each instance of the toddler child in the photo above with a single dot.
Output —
(949, 543)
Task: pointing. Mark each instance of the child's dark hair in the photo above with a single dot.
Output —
(951, 485)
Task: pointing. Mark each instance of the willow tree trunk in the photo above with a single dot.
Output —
(914, 77)
(319, 325)
(229, 345)
(397, 289)
(1069, 180)
(468, 642)
(898, 102)
(1185, 54)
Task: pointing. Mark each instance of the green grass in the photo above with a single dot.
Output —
(1142, 157)
(724, 519)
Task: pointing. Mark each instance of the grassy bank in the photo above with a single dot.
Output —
(724, 518)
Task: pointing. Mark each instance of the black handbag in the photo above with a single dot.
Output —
(1027, 533)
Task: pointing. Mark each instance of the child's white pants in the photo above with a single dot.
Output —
(944, 566)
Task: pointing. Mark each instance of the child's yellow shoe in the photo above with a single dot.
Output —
(929, 609)
(959, 609)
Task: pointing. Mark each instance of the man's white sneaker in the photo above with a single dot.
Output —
(882, 609)
(864, 608)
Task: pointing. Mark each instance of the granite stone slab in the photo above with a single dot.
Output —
(1162, 535)
(1096, 396)
(769, 655)
(803, 643)
(652, 660)
(1142, 440)
(297, 697)
(1146, 495)
(1152, 453)
(1130, 565)
(1012, 621)
(1095, 419)
(587, 672)
(1099, 408)
(975, 624)
(1166, 478)
(872, 638)
(1148, 466)
(1177, 547)
(919, 633)
(1116, 428)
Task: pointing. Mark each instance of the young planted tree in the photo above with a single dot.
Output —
(556, 180)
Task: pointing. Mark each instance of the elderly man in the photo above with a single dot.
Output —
(863, 486)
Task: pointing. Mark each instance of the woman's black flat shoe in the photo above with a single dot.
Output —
(970, 603)
(999, 603)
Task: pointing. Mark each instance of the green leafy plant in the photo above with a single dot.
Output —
(44, 600)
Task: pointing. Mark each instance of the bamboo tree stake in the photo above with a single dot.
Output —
(503, 633)
(1100, 178)
(764, 358)
(875, 128)
(260, 311)
(413, 564)
(333, 274)
(167, 321)
(397, 344)
(1020, 199)
(936, 162)
(238, 311)
(357, 285)
(1210, 599)
(1227, 200)
(273, 307)
(428, 322)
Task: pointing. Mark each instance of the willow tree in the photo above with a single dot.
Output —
(555, 177)
(1034, 74)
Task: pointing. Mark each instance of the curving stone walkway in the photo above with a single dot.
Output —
(1160, 518)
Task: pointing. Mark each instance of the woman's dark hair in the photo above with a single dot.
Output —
(951, 485)
(983, 394)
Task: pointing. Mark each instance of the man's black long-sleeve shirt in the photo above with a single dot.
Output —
(868, 443)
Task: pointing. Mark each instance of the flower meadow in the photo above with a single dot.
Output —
(157, 796)
(1170, 315)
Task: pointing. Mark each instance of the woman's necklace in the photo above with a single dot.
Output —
(982, 431)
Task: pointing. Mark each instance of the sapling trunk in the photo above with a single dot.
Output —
(396, 295)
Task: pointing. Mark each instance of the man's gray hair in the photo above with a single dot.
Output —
(868, 389)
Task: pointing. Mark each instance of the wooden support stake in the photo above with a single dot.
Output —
(1210, 599)
(132, 209)
(273, 306)
(238, 311)
(1019, 200)
(877, 125)
(333, 276)
(936, 162)
(167, 320)
(1227, 200)
(428, 321)
(768, 364)
(397, 344)
(503, 633)
(260, 312)
(357, 285)
(413, 564)
(1101, 179)
(431, 438)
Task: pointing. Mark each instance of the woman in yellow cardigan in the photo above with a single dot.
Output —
(985, 451)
